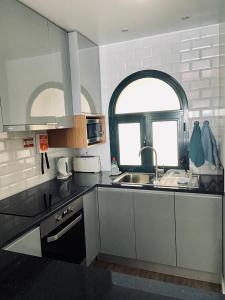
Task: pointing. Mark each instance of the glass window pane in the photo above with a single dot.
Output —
(146, 95)
(165, 141)
(129, 144)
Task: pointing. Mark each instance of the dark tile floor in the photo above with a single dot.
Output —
(208, 286)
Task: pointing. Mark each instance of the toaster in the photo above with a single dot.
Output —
(89, 164)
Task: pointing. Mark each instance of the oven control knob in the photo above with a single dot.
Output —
(58, 218)
(70, 209)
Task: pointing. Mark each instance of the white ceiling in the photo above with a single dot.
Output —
(102, 20)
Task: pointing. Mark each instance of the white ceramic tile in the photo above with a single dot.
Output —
(190, 55)
(211, 52)
(200, 64)
(201, 84)
(210, 30)
(2, 145)
(190, 76)
(212, 73)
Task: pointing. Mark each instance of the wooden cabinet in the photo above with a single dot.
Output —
(35, 85)
(155, 227)
(91, 223)
(76, 137)
(116, 217)
(199, 231)
(29, 243)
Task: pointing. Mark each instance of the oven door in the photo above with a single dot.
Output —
(67, 241)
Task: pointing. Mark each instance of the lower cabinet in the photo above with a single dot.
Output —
(199, 232)
(116, 215)
(29, 243)
(155, 226)
(91, 225)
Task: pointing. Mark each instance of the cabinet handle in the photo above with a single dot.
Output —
(52, 123)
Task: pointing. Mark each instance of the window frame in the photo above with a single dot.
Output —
(146, 119)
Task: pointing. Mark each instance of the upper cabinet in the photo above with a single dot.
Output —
(35, 85)
(85, 73)
(60, 72)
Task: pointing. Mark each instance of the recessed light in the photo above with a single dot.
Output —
(124, 29)
(185, 18)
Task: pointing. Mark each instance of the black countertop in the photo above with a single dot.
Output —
(29, 277)
(45, 199)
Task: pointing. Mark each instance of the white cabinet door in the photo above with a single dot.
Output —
(116, 216)
(29, 243)
(199, 231)
(155, 226)
(91, 224)
(24, 63)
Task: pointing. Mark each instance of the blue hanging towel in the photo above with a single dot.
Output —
(196, 152)
(209, 145)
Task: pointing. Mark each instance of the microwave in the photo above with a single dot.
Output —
(94, 131)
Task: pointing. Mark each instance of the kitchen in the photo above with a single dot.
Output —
(65, 83)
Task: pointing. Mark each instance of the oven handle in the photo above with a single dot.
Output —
(55, 237)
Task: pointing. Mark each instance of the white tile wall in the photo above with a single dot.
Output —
(221, 111)
(19, 167)
(191, 56)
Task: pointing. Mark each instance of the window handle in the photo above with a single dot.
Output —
(144, 141)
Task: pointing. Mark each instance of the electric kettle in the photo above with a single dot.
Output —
(62, 167)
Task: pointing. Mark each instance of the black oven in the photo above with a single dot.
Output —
(63, 236)
(93, 131)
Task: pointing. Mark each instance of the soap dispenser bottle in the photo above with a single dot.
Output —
(114, 167)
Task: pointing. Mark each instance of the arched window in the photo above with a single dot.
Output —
(148, 108)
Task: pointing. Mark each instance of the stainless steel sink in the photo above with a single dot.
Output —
(138, 179)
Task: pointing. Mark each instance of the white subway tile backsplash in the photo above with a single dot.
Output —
(190, 34)
(190, 76)
(6, 156)
(200, 64)
(2, 145)
(211, 30)
(14, 144)
(201, 84)
(184, 67)
(23, 153)
(215, 62)
(212, 73)
(193, 95)
(20, 168)
(185, 46)
(190, 55)
(202, 43)
(211, 52)
(200, 103)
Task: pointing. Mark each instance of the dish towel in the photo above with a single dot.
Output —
(209, 145)
(196, 152)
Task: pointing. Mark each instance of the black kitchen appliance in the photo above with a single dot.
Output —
(94, 131)
(62, 234)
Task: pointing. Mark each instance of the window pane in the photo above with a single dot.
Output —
(165, 141)
(146, 95)
(129, 144)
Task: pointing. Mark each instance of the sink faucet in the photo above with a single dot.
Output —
(156, 159)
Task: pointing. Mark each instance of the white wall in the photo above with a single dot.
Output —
(222, 90)
(21, 168)
(191, 56)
